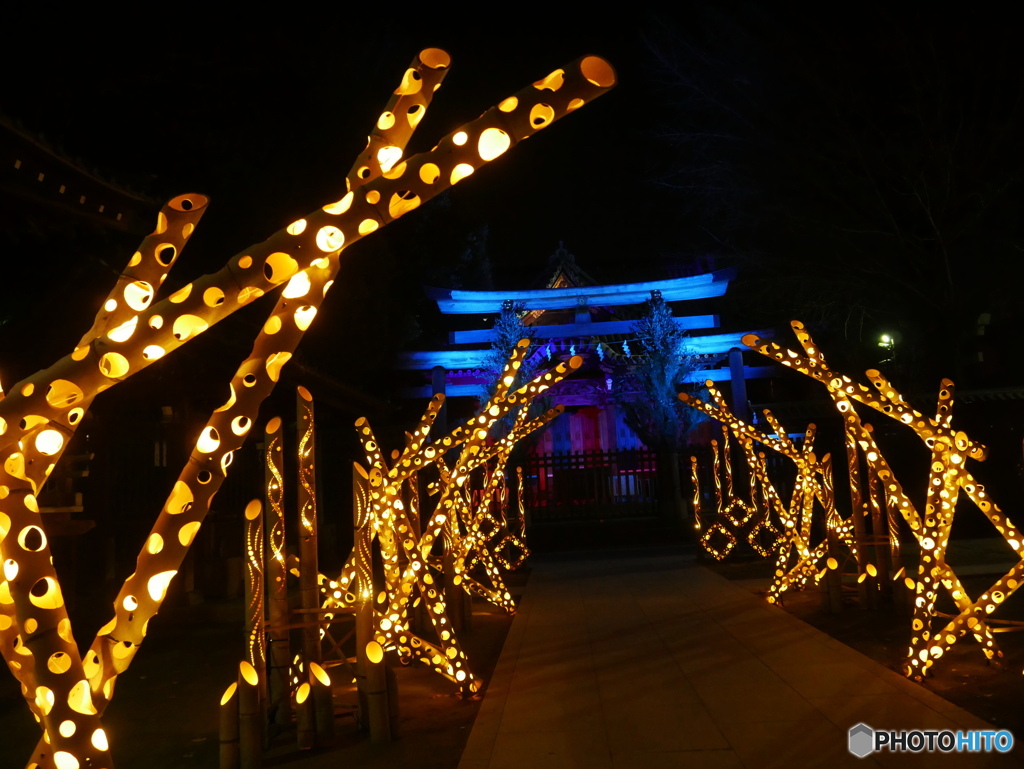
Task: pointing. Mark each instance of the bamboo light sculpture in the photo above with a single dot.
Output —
(884, 500)
(477, 533)
(389, 511)
(66, 692)
(735, 517)
(511, 549)
(799, 561)
(947, 477)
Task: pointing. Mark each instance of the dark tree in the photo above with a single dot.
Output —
(648, 394)
(509, 330)
(649, 391)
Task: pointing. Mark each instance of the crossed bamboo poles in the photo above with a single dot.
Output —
(881, 496)
(66, 692)
(426, 555)
(798, 559)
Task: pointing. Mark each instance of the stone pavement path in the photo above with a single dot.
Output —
(655, 662)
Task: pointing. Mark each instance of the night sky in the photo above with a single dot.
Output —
(794, 146)
(266, 119)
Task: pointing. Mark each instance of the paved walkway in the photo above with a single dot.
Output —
(655, 663)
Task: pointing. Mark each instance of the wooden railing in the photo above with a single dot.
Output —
(591, 485)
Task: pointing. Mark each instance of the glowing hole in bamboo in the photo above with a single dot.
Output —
(49, 442)
(209, 441)
(123, 332)
(99, 740)
(374, 652)
(188, 532)
(114, 365)
(298, 286)
(304, 316)
(329, 239)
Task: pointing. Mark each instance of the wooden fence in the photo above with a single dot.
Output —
(591, 485)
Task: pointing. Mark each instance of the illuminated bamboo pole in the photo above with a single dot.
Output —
(867, 590)
(322, 693)
(250, 732)
(305, 723)
(134, 290)
(882, 537)
(459, 604)
(483, 526)
(947, 476)
(255, 610)
(813, 480)
(371, 677)
(229, 755)
(48, 632)
(698, 510)
(309, 593)
(833, 582)
(522, 520)
(418, 619)
(277, 576)
(460, 607)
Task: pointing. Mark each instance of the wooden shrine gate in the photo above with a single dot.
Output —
(591, 485)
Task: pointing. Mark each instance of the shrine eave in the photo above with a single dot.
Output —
(583, 330)
(694, 377)
(711, 344)
(705, 286)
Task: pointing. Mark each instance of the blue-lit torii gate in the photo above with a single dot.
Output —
(583, 298)
(590, 457)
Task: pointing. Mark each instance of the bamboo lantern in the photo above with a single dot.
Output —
(371, 678)
(277, 575)
(309, 597)
(229, 758)
(255, 639)
(250, 721)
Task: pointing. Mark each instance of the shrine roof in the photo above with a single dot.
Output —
(704, 286)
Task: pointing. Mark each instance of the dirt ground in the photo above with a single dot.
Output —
(962, 676)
